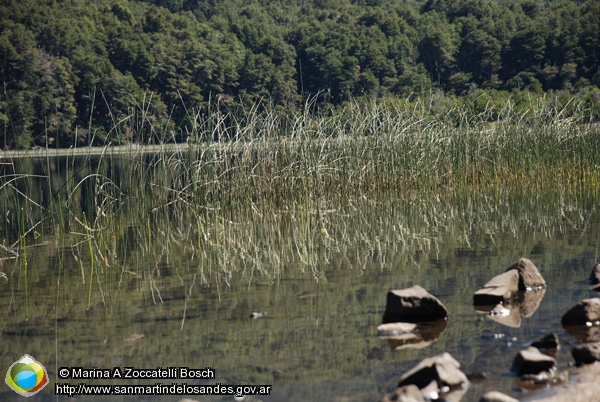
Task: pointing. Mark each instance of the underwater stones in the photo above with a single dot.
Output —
(401, 335)
(529, 276)
(532, 362)
(495, 396)
(395, 329)
(586, 312)
(413, 304)
(441, 370)
(586, 353)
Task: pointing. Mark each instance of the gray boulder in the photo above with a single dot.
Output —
(529, 276)
(586, 312)
(586, 353)
(413, 304)
(442, 369)
(532, 362)
(498, 290)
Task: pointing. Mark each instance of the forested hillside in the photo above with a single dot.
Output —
(112, 71)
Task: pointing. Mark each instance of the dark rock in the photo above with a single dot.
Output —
(532, 362)
(529, 276)
(595, 275)
(443, 369)
(421, 336)
(495, 396)
(548, 345)
(498, 290)
(409, 393)
(587, 353)
(413, 304)
(586, 312)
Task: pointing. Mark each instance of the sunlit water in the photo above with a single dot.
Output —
(325, 294)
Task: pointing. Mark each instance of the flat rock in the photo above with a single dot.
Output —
(443, 369)
(413, 304)
(529, 276)
(421, 336)
(584, 312)
(395, 328)
(586, 353)
(499, 289)
(495, 396)
(532, 362)
(408, 393)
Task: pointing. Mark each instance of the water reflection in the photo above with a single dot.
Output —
(522, 304)
(180, 291)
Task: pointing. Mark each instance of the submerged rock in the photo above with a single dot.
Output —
(401, 335)
(413, 304)
(586, 312)
(587, 353)
(443, 370)
(532, 362)
(495, 396)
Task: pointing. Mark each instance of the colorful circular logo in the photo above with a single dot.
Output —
(26, 376)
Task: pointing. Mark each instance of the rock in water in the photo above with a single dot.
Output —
(586, 312)
(413, 304)
(587, 353)
(532, 362)
(529, 276)
(442, 369)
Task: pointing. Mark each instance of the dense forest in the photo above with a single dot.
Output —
(82, 72)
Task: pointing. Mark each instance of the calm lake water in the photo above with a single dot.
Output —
(162, 297)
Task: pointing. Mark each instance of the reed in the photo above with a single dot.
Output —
(253, 182)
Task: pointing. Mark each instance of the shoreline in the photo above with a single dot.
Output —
(133, 149)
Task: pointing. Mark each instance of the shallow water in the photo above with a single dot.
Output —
(181, 303)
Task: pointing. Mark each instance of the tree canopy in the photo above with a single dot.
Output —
(111, 71)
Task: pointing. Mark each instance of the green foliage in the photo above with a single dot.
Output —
(125, 70)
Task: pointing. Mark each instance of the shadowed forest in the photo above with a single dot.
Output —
(80, 72)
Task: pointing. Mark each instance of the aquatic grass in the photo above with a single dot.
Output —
(254, 182)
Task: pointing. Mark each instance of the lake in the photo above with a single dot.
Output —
(169, 289)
